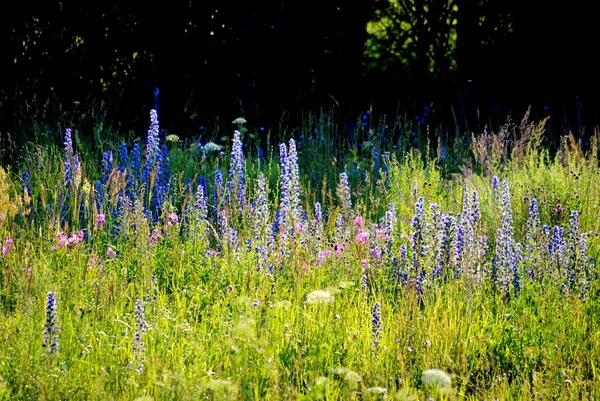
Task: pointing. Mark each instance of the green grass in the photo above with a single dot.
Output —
(219, 329)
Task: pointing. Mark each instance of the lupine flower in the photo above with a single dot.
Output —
(295, 180)
(576, 257)
(26, 187)
(318, 227)
(459, 248)
(376, 325)
(389, 221)
(343, 193)
(123, 158)
(107, 160)
(68, 142)
(364, 278)
(218, 196)
(137, 344)
(531, 237)
(136, 164)
(152, 144)
(496, 189)
(418, 242)
(401, 273)
(68, 158)
(51, 329)
(76, 170)
(290, 208)
(505, 264)
(261, 227)
(444, 239)
(341, 234)
(201, 204)
(222, 224)
(165, 167)
(237, 170)
(474, 211)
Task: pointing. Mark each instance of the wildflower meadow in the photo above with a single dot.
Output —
(332, 264)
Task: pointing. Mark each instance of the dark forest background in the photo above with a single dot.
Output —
(469, 62)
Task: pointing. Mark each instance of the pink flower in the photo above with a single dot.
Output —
(63, 241)
(376, 254)
(8, 246)
(362, 237)
(156, 236)
(76, 238)
(323, 255)
(111, 253)
(298, 227)
(358, 221)
(100, 219)
(339, 248)
(174, 218)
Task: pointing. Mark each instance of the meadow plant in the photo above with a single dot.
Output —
(51, 329)
(138, 344)
(268, 277)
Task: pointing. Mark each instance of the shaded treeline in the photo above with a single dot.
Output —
(215, 62)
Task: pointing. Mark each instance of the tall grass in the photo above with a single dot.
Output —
(263, 294)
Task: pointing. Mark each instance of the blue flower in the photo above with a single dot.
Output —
(51, 328)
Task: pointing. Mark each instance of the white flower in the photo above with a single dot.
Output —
(437, 378)
(377, 390)
(212, 147)
(320, 297)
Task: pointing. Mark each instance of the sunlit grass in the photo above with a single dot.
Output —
(215, 327)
